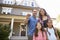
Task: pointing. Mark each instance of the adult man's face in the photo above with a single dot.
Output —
(34, 12)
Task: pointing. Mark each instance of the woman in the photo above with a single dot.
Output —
(39, 34)
(43, 17)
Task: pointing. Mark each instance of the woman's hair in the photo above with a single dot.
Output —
(36, 30)
(40, 16)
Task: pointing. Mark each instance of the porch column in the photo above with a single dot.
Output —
(20, 30)
(26, 30)
(12, 21)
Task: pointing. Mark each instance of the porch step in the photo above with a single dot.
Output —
(18, 38)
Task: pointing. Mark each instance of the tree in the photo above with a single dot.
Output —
(4, 32)
(58, 33)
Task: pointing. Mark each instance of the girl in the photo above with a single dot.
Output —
(43, 17)
(39, 34)
(27, 18)
(51, 31)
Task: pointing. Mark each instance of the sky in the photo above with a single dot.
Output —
(51, 6)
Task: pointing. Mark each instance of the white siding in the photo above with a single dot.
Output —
(21, 11)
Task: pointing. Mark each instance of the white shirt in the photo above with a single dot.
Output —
(52, 36)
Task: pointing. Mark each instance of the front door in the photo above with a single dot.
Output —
(19, 29)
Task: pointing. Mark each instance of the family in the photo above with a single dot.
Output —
(41, 28)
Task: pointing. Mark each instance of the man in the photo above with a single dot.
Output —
(31, 21)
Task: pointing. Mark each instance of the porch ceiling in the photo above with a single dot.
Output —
(12, 16)
(18, 6)
(7, 18)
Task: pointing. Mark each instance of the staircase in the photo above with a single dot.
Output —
(18, 38)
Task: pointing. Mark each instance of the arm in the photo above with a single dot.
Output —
(27, 19)
(56, 31)
(33, 37)
(46, 35)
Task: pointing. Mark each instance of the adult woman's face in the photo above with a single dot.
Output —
(42, 12)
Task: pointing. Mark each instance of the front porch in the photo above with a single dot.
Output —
(18, 29)
(18, 38)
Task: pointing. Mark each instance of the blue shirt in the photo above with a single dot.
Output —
(31, 25)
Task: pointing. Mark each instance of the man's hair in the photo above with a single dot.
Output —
(34, 9)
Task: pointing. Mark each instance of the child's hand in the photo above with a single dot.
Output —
(27, 16)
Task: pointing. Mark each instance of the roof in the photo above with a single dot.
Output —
(19, 6)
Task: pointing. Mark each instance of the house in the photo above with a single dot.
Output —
(0, 6)
(14, 15)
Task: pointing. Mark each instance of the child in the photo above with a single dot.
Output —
(28, 15)
(39, 34)
(51, 31)
(27, 18)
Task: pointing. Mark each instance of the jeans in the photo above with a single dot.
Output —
(30, 37)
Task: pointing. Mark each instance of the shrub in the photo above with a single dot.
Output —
(4, 32)
(58, 33)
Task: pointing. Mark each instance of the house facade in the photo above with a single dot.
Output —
(14, 15)
(1, 7)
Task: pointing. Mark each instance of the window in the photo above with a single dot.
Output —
(8, 13)
(25, 13)
(11, 2)
(8, 2)
(32, 4)
(4, 12)
(5, 2)
(25, 3)
(6, 9)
